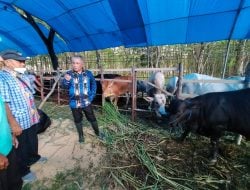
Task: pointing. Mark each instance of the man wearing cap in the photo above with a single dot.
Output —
(17, 92)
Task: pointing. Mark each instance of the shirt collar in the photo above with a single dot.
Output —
(12, 72)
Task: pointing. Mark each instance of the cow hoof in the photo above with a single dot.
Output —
(213, 161)
(159, 121)
(178, 140)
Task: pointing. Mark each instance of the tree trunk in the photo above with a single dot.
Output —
(47, 41)
(98, 58)
(238, 67)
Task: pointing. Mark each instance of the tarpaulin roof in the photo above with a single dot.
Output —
(97, 24)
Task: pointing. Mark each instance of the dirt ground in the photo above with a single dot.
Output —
(59, 143)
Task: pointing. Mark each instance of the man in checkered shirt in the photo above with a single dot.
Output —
(17, 92)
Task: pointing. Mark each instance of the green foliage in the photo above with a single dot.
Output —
(140, 157)
(206, 58)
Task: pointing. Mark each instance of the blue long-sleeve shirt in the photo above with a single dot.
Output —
(82, 88)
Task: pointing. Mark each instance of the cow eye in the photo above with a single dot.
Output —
(178, 113)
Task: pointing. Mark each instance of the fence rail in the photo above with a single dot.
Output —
(133, 72)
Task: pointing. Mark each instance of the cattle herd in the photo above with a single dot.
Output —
(122, 85)
(215, 109)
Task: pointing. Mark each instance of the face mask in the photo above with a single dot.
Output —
(20, 70)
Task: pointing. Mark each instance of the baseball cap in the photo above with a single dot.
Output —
(11, 54)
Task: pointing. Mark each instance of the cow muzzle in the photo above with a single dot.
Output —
(108, 94)
(162, 110)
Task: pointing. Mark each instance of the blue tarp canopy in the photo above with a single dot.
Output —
(97, 24)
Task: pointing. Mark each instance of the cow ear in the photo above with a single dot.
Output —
(148, 99)
(188, 102)
(192, 104)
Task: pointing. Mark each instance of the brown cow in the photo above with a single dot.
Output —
(114, 89)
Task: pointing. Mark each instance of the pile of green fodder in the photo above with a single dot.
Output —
(140, 157)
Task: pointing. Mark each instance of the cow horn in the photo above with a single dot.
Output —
(187, 112)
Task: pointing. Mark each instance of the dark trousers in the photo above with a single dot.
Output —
(10, 178)
(88, 111)
(27, 151)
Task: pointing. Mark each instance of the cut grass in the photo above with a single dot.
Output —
(141, 157)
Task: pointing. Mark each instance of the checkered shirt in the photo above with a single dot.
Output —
(12, 94)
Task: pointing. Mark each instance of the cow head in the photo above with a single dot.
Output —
(183, 111)
(107, 89)
(141, 86)
(172, 85)
(157, 103)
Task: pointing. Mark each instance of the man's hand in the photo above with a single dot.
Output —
(15, 127)
(3, 162)
(15, 141)
(67, 77)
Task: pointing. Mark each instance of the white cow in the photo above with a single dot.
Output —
(156, 98)
(199, 88)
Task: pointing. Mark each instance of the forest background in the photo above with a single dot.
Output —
(203, 58)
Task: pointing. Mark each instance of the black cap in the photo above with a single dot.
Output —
(11, 54)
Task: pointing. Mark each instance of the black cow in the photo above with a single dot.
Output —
(212, 114)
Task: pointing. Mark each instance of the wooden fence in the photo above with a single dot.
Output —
(135, 72)
(130, 71)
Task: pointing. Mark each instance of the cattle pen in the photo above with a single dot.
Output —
(48, 84)
(60, 94)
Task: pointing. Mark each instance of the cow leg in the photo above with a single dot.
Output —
(214, 150)
(127, 100)
(184, 135)
(238, 139)
(158, 114)
(150, 106)
(111, 98)
(116, 100)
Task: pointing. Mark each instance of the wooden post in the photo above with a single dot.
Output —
(102, 77)
(58, 88)
(42, 85)
(134, 87)
(179, 82)
(225, 59)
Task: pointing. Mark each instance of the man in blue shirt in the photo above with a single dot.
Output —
(82, 90)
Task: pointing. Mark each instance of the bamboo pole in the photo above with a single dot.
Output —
(134, 87)
(51, 91)
(102, 78)
(179, 84)
(58, 89)
(42, 85)
(225, 59)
